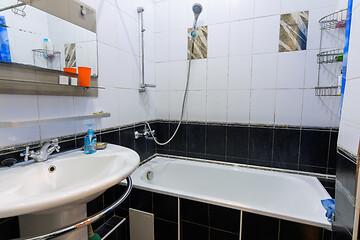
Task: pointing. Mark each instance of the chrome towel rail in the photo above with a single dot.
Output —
(88, 220)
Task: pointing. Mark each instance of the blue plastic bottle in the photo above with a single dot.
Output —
(90, 141)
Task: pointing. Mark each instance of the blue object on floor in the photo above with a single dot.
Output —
(329, 205)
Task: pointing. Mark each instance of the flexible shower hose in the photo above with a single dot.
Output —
(184, 99)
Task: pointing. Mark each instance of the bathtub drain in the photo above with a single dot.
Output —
(149, 175)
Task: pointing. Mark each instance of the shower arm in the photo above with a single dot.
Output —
(143, 85)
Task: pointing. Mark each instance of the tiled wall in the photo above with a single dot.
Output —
(244, 78)
(202, 221)
(309, 150)
(119, 66)
(349, 134)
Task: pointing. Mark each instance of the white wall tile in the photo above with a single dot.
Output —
(162, 105)
(177, 77)
(198, 71)
(108, 67)
(218, 40)
(219, 11)
(217, 77)
(126, 70)
(264, 71)
(106, 16)
(291, 69)
(162, 46)
(266, 7)
(354, 48)
(241, 37)
(196, 106)
(178, 45)
(109, 102)
(176, 100)
(242, 9)
(216, 107)
(288, 107)
(316, 110)
(266, 34)
(238, 106)
(178, 10)
(290, 6)
(240, 72)
(162, 76)
(311, 69)
(262, 107)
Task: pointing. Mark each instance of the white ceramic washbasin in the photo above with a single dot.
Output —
(78, 179)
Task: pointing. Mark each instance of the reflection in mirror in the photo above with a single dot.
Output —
(32, 37)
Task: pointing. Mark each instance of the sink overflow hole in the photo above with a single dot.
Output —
(52, 169)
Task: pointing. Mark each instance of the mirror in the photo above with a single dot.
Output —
(35, 38)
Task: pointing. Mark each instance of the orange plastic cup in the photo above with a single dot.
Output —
(84, 76)
(70, 70)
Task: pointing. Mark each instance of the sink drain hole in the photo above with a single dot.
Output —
(52, 169)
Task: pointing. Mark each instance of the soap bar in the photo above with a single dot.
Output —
(101, 146)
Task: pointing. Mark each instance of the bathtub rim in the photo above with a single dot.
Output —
(232, 204)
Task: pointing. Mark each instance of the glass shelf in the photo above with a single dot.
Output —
(15, 124)
(48, 83)
(328, 91)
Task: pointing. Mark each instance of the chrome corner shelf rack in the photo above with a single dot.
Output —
(46, 58)
(336, 20)
(15, 124)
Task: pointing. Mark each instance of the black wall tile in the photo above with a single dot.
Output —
(111, 137)
(260, 163)
(236, 160)
(305, 168)
(195, 212)
(165, 230)
(9, 228)
(165, 207)
(286, 145)
(346, 173)
(179, 141)
(237, 142)
(215, 140)
(196, 138)
(140, 143)
(224, 218)
(332, 151)
(287, 166)
(127, 138)
(298, 231)
(314, 148)
(259, 227)
(141, 200)
(162, 134)
(191, 231)
(261, 141)
(221, 235)
(344, 210)
(67, 145)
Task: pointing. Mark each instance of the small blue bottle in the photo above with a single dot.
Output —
(90, 141)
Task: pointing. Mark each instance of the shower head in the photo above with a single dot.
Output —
(197, 9)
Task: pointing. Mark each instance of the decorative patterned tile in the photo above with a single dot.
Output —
(293, 31)
(200, 45)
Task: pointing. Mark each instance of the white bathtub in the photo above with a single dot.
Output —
(276, 194)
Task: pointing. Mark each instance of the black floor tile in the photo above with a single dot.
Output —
(193, 211)
(256, 226)
(224, 218)
(286, 145)
(237, 142)
(215, 140)
(9, 229)
(165, 207)
(191, 231)
(298, 231)
(196, 138)
(165, 230)
(261, 140)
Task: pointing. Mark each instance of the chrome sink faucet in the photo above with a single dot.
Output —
(43, 153)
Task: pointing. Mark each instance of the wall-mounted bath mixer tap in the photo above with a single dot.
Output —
(43, 153)
(147, 134)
